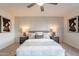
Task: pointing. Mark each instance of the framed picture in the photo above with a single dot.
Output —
(74, 24)
(6, 25)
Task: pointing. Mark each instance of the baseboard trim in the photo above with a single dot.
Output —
(70, 46)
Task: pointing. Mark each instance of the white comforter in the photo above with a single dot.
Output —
(40, 47)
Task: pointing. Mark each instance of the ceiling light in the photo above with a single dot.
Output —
(40, 4)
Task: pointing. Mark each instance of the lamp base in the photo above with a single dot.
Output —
(24, 34)
(53, 34)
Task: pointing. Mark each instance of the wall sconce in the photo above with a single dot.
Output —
(25, 30)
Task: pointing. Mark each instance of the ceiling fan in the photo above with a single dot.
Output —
(41, 5)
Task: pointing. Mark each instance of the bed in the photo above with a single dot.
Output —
(40, 47)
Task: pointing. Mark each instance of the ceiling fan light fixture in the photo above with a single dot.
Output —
(40, 4)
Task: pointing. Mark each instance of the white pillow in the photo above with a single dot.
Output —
(46, 35)
(31, 35)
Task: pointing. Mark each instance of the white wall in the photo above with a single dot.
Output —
(39, 23)
(70, 37)
(8, 37)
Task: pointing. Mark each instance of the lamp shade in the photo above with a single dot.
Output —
(25, 30)
(53, 28)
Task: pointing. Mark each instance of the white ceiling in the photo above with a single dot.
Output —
(61, 10)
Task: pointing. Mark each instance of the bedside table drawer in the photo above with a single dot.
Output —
(55, 39)
(22, 39)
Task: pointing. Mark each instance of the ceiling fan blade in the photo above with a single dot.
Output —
(53, 3)
(32, 4)
(42, 8)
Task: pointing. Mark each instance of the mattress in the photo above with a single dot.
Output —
(40, 47)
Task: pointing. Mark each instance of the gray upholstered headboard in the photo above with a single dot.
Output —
(39, 31)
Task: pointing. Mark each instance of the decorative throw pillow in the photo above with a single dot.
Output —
(38, 35)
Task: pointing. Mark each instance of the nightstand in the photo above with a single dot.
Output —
(22, 39)
(55, 39)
